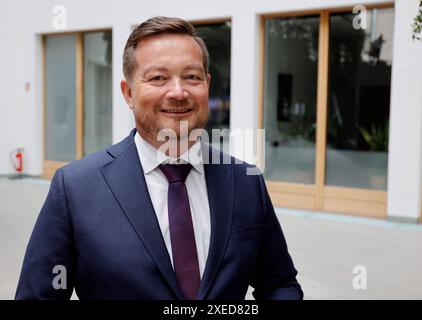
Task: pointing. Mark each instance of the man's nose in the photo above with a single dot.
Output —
(177, 90)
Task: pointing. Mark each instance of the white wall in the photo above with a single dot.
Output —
(22, 21)
(21, 112)
(405, 144)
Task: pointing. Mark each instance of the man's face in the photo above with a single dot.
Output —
(168, 86)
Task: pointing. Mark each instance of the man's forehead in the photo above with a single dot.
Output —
(159, 40)
(158, 50)
(163, 67)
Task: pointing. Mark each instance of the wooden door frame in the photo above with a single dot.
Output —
(50, 166)
(318, 196)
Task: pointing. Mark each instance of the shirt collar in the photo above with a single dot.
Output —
(151, 157)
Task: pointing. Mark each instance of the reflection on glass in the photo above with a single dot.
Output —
(359, 100)
(60, 97)
(97, 91)
(217, 37)
(291, 59)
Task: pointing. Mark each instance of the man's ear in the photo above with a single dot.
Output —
(208, 79)
(127, 92)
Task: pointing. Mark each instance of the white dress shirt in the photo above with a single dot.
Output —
(157, 184)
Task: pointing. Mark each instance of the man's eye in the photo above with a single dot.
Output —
(193, 77)
(157, 78)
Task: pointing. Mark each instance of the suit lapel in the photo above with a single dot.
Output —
(219, 182)
(124, 175)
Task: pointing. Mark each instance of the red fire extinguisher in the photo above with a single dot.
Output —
(16, 157)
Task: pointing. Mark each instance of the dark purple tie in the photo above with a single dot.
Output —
(185, 258)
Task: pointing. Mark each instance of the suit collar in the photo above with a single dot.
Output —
(151, 158)
(125, 177)
(117, 149)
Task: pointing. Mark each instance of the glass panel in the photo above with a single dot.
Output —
(359, 100)
(218, 40)
(97, 91)
(60, 97)
(291, 60)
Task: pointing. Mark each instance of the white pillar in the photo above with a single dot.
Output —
(244, 76)
(122, 116)
(405, 143)
(31, 119)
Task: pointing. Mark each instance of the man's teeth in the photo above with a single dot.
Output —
(177, 110)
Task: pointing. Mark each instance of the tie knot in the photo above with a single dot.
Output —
(175, 172)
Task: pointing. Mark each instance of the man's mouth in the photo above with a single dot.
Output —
(177, 110)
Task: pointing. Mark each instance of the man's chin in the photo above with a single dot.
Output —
(177, 129)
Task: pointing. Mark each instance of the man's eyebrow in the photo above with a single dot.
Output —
(153, 68)
(193, 66)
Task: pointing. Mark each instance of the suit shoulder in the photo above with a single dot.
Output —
(238, 166)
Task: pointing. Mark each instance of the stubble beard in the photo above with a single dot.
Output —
(150, 128)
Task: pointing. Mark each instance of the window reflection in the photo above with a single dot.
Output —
(218, 40)
(97, 91)
(60, 91)
(359, 100)
(291, 52)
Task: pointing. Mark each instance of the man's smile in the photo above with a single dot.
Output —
(176, 111)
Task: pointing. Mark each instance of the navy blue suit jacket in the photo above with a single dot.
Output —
(99, 223)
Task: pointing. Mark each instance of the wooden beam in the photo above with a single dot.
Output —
(79, 96)
(322, 101)
(261, 67)
(44, 106)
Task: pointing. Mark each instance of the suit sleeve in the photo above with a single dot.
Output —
(49, 262)
(275, 276)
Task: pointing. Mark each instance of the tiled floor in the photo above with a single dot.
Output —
(325, 248)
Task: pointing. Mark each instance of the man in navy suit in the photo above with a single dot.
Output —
(140, 221)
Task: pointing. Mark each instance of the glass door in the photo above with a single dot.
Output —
(60, 101)
(77, 96)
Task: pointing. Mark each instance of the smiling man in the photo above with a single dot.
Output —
(136, 221)
(167, 80)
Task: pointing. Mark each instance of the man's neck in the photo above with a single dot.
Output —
(173, 147)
